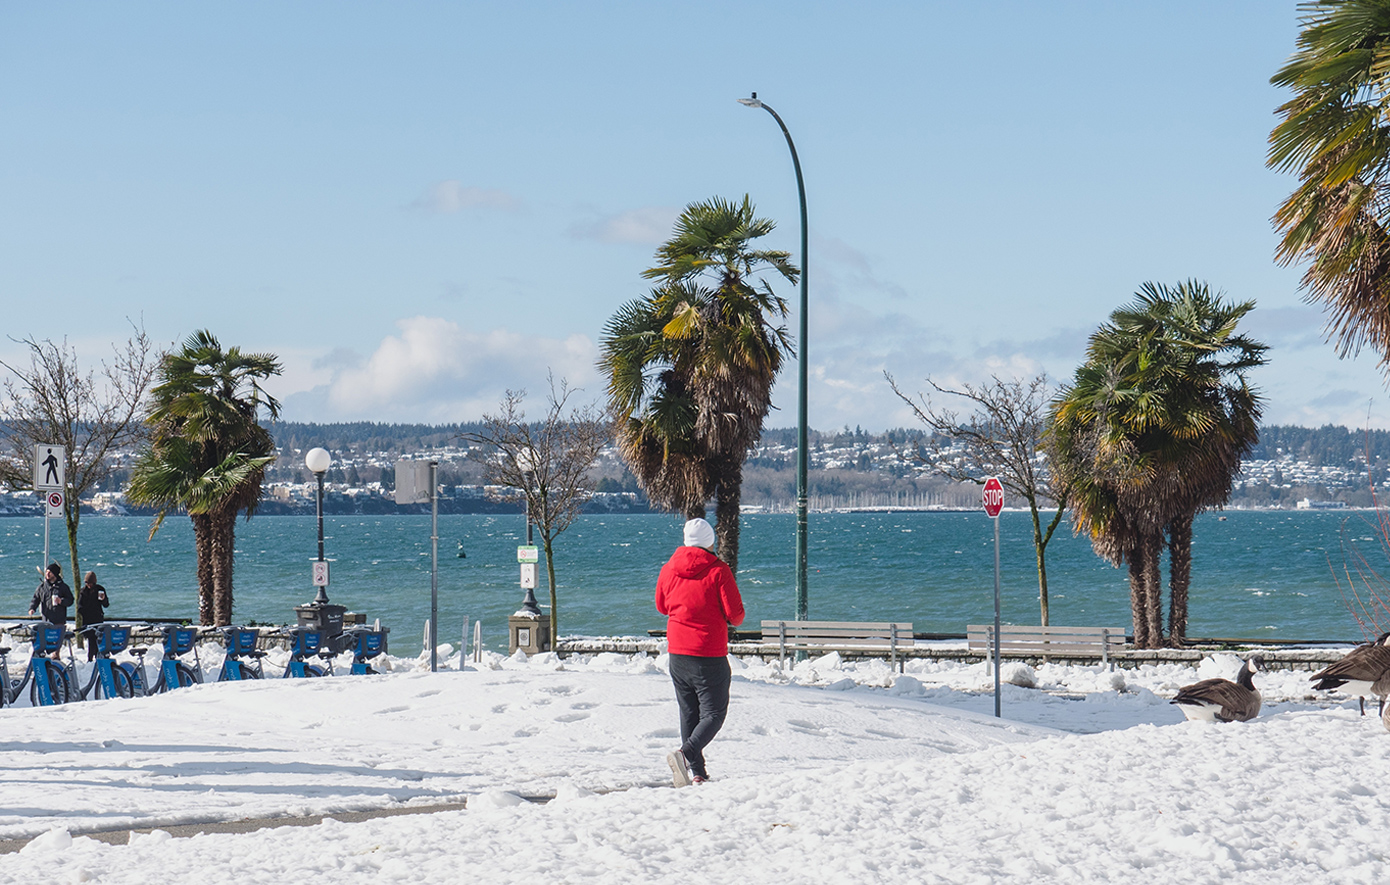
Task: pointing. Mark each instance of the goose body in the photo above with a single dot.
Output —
(1221, 700)
(1365, 670)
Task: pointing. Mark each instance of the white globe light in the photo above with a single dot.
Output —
(526, 459)
(317, 460)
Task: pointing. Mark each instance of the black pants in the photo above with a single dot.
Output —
(702, 693)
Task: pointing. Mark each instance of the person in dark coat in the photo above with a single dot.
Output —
(91, 604)
(53, 596)
(697, 593)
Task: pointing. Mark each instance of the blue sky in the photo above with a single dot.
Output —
(420, 205)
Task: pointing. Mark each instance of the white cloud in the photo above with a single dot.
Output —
(649, 225)
(435, 371)
(450, 196)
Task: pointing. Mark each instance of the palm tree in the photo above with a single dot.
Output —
(691, 365)
(1152, 431)
(1335, 133)
(208, 454)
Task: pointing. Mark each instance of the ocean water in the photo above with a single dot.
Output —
(1255, 574)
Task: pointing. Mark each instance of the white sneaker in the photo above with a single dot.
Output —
(680, 772)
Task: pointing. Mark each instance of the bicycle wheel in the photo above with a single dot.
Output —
(186, 675)
(247, 672)
(56, 677)
(124, 686)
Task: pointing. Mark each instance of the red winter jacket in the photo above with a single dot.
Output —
(697, 593)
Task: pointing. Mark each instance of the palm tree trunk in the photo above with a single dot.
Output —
(1138, 596)
(1153, 589)
(202, 543)
(726, 510)
(1179, 577)
(223, 544)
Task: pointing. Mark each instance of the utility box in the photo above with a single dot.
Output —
(326, 618)
(528, 634)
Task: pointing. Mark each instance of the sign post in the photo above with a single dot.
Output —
(993, 499)
(417, 482)
(50, 482)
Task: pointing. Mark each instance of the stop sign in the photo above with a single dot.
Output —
(993, 497)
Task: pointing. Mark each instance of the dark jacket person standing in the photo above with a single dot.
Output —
(697, 593)
(91, 604)
(53, 596)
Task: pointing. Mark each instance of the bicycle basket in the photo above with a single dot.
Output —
(306, 642)
(47, 638)
(371, 643)
(179, 640)
(240, 640)
(112, 638)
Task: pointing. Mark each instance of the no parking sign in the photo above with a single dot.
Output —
(54, 500)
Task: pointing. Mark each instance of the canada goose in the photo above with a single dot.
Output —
(1365, 670)
(1221, 700)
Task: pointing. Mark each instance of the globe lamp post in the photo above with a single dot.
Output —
(318, 461)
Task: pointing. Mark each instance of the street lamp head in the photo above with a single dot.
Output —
(317, 460)
(751, 101)
(525, 458)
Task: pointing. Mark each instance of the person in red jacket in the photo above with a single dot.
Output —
(697, 593)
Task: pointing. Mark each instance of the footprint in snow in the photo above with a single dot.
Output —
(884, 734)
(571, 717)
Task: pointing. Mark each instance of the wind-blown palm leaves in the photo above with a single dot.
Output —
(1151, 431)
(207, 454)
(691, 365)
(1335, 133)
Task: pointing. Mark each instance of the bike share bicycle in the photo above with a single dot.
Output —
(109, 677)
(367, 643)
(47, 678)
(173, 672)
(240, 643)
(307, 642)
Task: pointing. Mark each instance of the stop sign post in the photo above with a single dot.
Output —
(993, 499)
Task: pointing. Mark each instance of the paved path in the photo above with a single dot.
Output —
(249, 825)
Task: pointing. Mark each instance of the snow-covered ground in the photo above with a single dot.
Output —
(828, 772)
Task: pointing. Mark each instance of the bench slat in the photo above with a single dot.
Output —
(1007, 629)
(835, 625)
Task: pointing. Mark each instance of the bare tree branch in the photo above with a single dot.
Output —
(91, 416)
(548, 461)
(1002, 437)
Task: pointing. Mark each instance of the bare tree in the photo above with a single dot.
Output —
(1002, 438)
(89, 414)
(548, 460)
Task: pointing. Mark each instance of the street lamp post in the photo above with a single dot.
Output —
(801, 447)
(318, 460)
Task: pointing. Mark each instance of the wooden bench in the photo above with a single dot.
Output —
(827, 636)
(1044, 642)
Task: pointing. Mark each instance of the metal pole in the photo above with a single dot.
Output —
(321, 597)
(802, 529)
(434, 567)
(997, 712)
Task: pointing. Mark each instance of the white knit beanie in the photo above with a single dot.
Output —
(699, 533)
